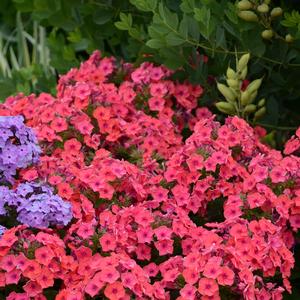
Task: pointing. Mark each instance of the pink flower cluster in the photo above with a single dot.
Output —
(159, 214)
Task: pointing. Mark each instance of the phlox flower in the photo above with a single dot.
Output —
(17, 296)
(109, 275)
(191, 275)
(32, 288)
(188, 292)
(107, 242)
(164, 247)
(225, 276)
(207, 287)
(44, 255)
(144, 235)
(114, 291)
(45, 279)
(12, 277)
(143, 252)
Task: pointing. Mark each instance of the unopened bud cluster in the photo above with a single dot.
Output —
(260, 11)
(240, 102)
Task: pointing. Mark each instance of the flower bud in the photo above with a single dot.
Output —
(248, 16)
(250, 108)
(289, 38)
(233, 83)
(225, 107)
(245, 97)
(226, 92)
(276, 12)
(243, 73)
(267, 34)
(230, 73)
(254, 85)
(260, 113)
(252, 96)
(244, 5)
(263, 8)
(261, 102)
(243, 61)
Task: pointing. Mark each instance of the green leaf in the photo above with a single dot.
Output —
(144, 5)
(206, 24)
(187, 6)
(231, 13)
(157, 30)
(125, 23)
(155, 43)
(171, 19)
(193, 28)
(126, 19)
(220, 38)
(68, 53)
(184, 27)
(121, 25)
(135, 33)
(253, 42)
(171, 57)
(173, 39)
(102, 16)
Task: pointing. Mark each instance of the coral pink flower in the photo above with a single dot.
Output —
(12, 277)
(107, 242)
(226, 276)
(188, 292)
(44, 255)
(164, 247)
(207, 287)
(32, 288)
(114, 291)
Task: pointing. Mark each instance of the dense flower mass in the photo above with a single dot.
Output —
(167, 202)
(18, 147)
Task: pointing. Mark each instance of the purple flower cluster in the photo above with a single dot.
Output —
(41, 208)
(18, 147)
(36, 205)
(8, 197)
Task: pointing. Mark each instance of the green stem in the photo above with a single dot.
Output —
(274, 126)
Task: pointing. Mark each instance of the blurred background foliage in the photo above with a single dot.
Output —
(40, 39)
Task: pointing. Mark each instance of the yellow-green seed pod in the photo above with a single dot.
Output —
(244, 5)
(245, 97)
(243, 73)
(243, 61)
(230, 73)
(289, 38)
(263, 8)
(233, 83)
(225, 107)
(260, 113)
(226, 92)
(276, 12)
(250, 108)
(267, 34)
(254, 85)
(261, 102)
(248, 15)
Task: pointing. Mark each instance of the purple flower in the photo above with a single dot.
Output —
(18, 147)
(40, 207)
(8, 197)
(2, 229)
